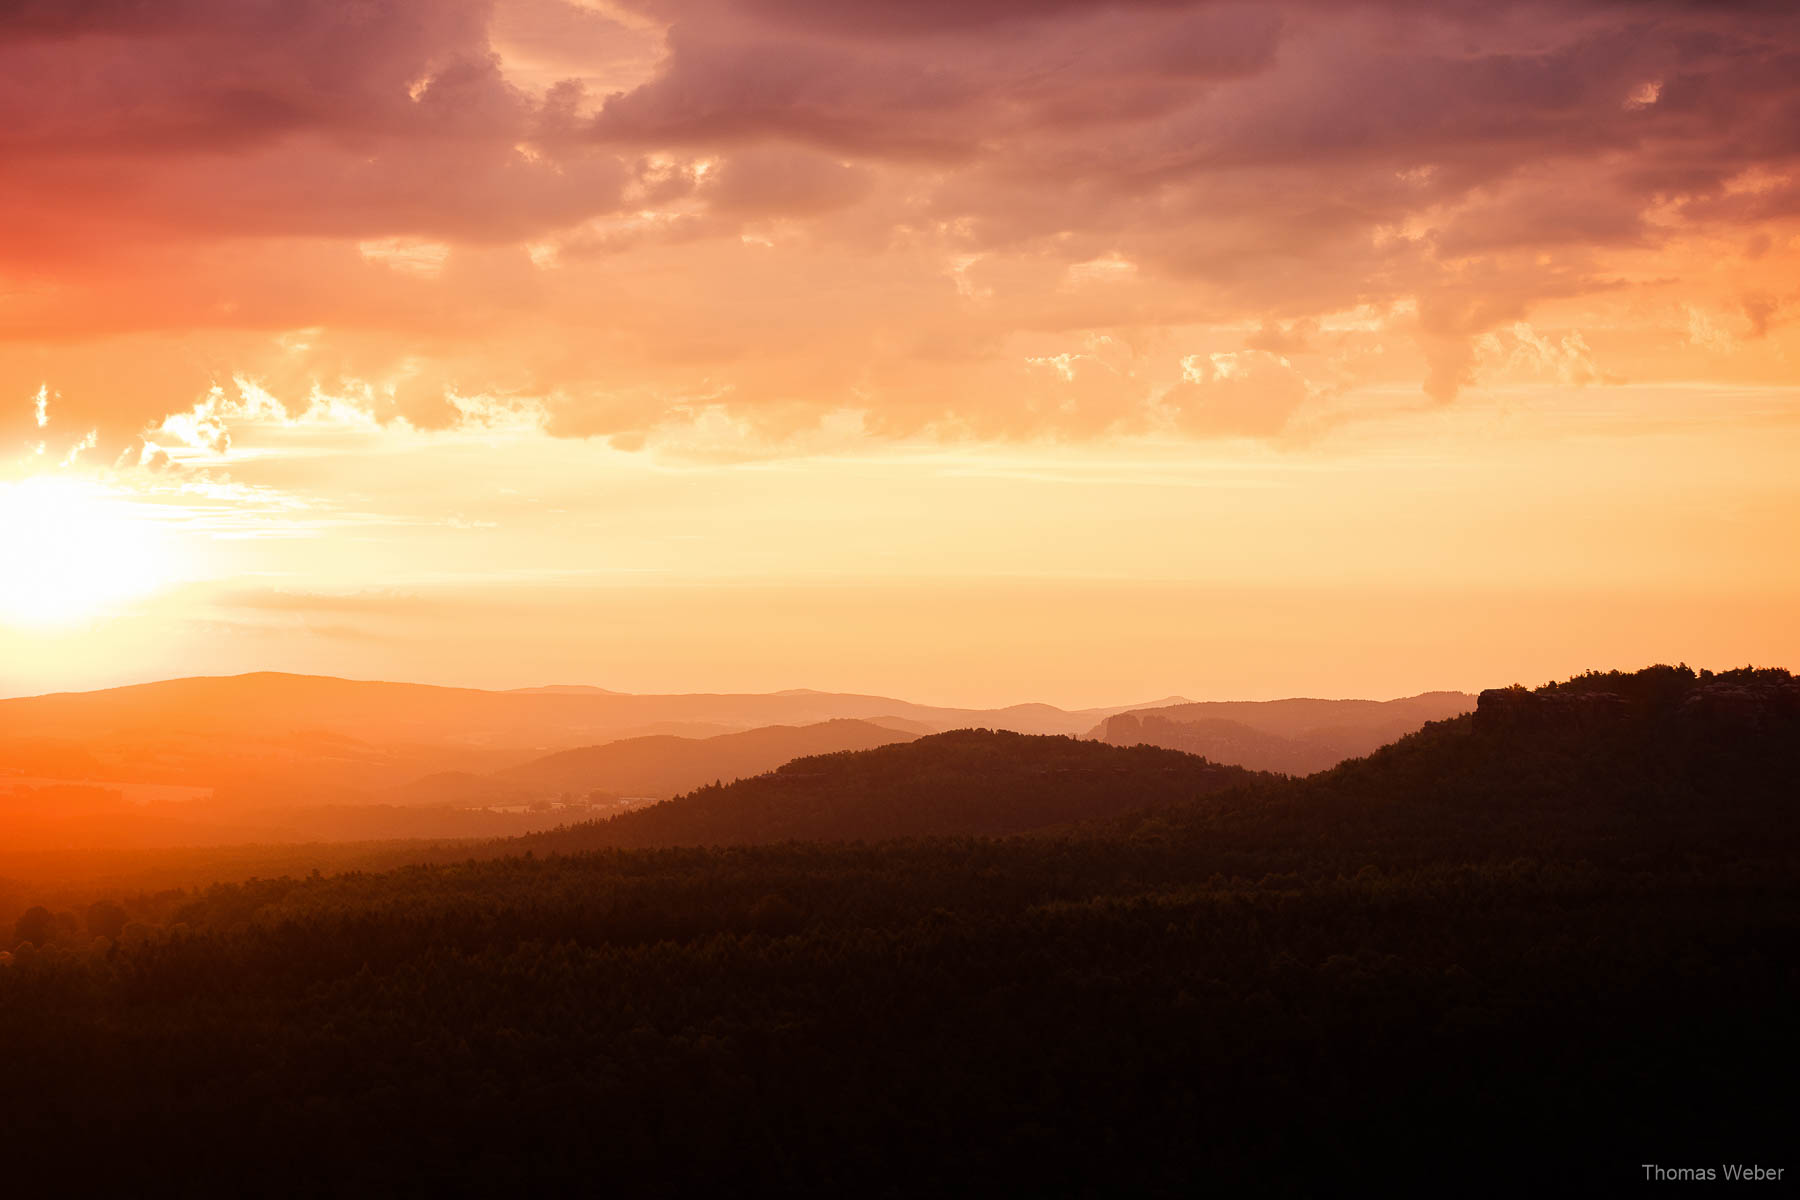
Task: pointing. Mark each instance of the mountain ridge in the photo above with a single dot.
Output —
(662, 766)
(295, 736)
(1296, 736)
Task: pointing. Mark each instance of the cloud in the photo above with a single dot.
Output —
(729, 77)
(1708, 334)
(87, 442)
(1244, 393)
(628, 216)
(1522, 351)
(778, 181)
(1760, 309)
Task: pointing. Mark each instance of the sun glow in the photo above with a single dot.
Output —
(72, 550)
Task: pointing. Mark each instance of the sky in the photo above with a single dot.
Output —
(971, 352)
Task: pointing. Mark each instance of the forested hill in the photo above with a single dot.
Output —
(1551, 940)
(967, 782)
(1663, 761)
(1604, 759)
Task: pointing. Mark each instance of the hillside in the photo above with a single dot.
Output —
(1475, 946)
(969, 782)
(1294, 737)
(665, 766)
(47, 814)
(1660, 762)
(38, 816)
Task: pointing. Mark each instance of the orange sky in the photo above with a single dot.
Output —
(974, 352)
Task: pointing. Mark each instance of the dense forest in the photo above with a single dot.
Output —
(1546, 942)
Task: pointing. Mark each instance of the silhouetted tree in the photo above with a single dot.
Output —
(106, 918)
(37, 926)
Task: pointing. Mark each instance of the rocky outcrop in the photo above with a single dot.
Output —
(1752, 704)
(1519, 708)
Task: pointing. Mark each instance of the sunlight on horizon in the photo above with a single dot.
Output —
(74, 550)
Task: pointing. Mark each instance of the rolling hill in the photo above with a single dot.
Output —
(662, 767)
(1294, 737)
(1537, 938)
(303, 736)
(968, 782)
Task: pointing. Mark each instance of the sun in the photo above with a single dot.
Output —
(72, 550)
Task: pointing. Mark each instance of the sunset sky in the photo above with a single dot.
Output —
(975, 352)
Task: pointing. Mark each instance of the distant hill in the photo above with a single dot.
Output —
(315, 736)
(666, 766)
(564, 689)
(968, 782)
(1294, 737)
(902, 725)
(47, 814)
